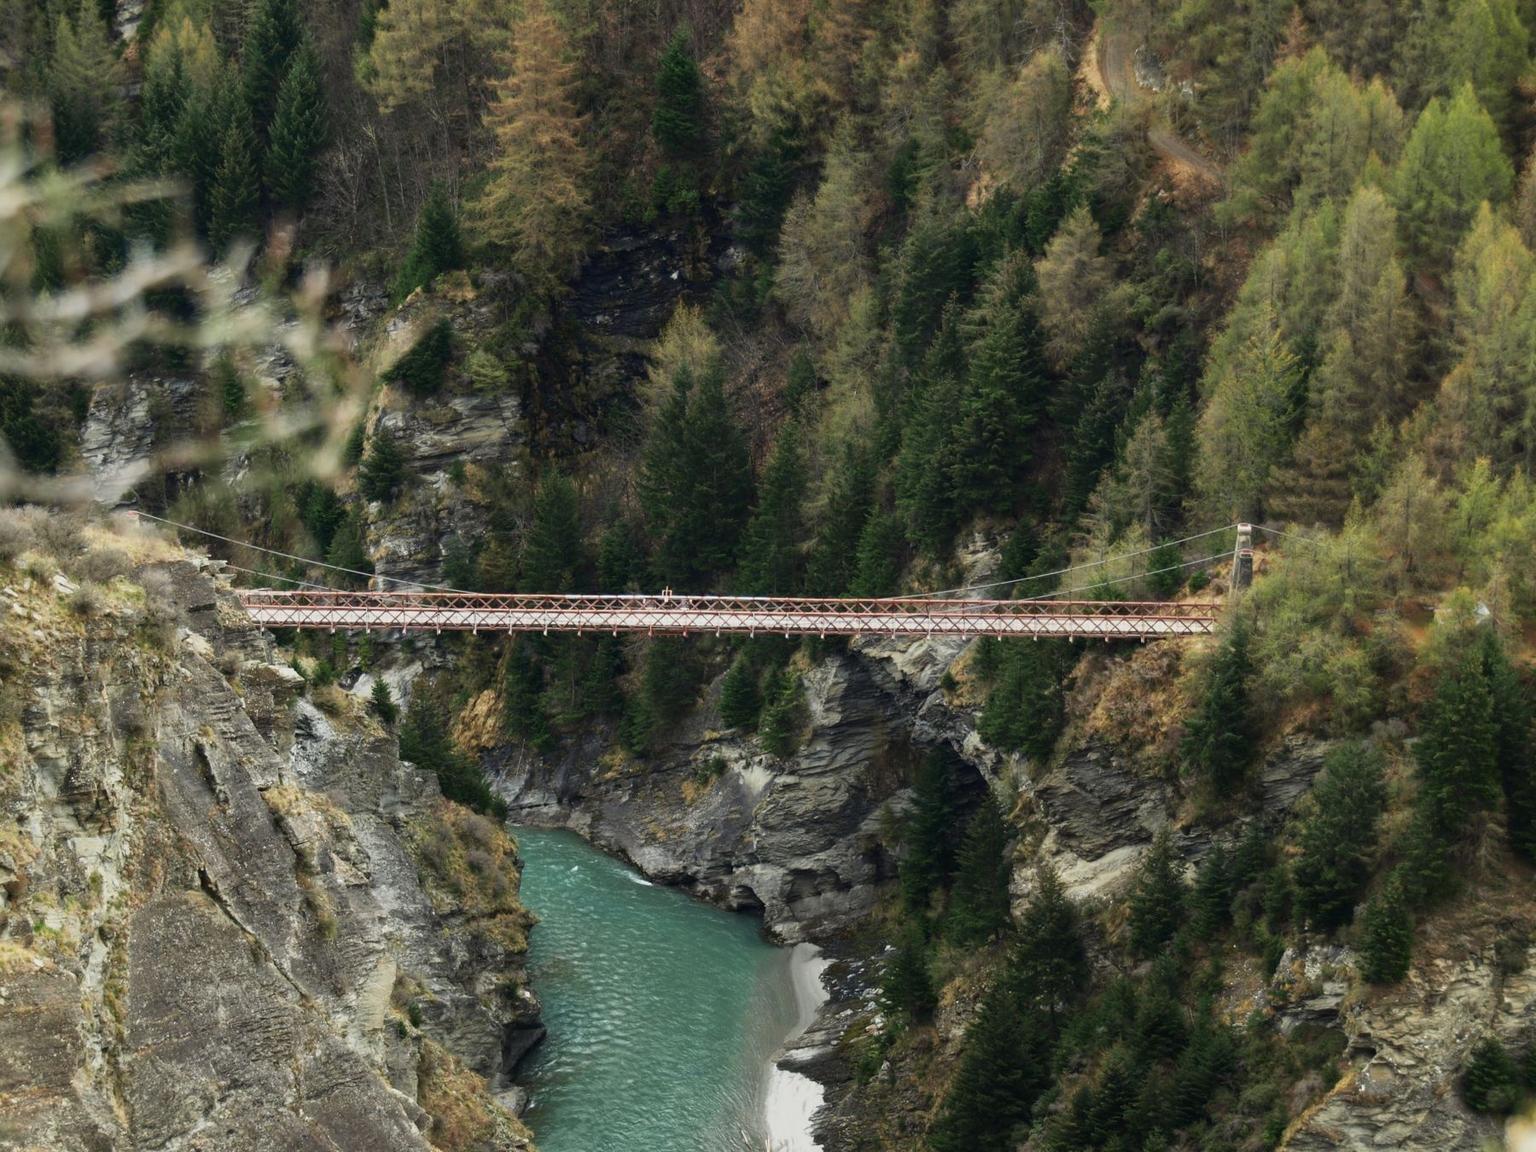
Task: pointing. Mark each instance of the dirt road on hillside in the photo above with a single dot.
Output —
(1112, 52)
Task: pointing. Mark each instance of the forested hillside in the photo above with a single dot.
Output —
(849, 297)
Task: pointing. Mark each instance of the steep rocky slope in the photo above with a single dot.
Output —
(230, 920)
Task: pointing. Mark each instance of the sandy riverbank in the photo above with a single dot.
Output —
(792, 1099)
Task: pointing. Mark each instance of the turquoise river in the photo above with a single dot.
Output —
(663, 1012)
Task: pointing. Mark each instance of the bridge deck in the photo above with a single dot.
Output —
(464, 612)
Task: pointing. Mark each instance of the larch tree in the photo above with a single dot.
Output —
(83, 81)
(1025, 120)
(1076, 286)
(1245, 431)
(1367, 356)
(536, 200)
(440, 53)
(823, 258)
(1452, 162)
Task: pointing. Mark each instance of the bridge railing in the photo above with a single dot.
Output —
(513, 612)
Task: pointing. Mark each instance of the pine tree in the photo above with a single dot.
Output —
(1005, 390)
(1457, 752)
(1157, 898)
(424, 741)
(929, 831)
(740, 702)
(978, 905)
(770, 561)
(1048, 963)
(297, 133)
(780, 722)
(382, 704)
(536, 199)
(906, 988)
(678, 122)
(1513, 746)
(235, 197)
(1491, 1082)
(1338, 837)
(880, 555)
(1002, 1071)
(348, 547)
(1386, 936)
(695, 481)
(1218, 744)
(522, 697)
(1026, 708)
(552, 552)
(834, 552)
(383, 468)
(422, 370)
(1211, 901)
(437, 247)
(272, 40)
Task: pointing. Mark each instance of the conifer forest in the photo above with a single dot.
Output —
(1070, 300)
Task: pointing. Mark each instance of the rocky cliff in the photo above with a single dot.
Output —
(229, 919)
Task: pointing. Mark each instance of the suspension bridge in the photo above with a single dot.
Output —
(952, 612)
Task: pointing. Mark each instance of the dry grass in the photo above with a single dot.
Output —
(463, 1114)
(469, 863)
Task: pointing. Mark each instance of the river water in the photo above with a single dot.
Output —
(663, 1014)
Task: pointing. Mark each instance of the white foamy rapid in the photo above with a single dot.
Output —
(792, 1099)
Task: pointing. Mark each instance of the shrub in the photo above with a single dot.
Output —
(1491, 1082)
(382, 703)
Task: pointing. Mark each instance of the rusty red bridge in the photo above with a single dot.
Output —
(681, 615)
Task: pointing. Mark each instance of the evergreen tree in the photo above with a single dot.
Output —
(552, 552)
(1218, 744)
(1338, 837)
(272, 40)
(382, 472)
(424, 742)
(234, 201)
(906, 988)
(1002, 1070)
(437, 247)
(929, 831)
(1048, 963)
(1211, 901)
(1026, 709)
(422, 370)
(348, 547)
(1157, 898)
(297, 133)
(695, 481)
(834, 551)
(522, 697)
(1491, 1082)
(770, 561)
(880, 554)
(1513, 746)
(382, 704)
(1386, 936)
(978, 906)
(740, 702)
(1457, 752)
(678, 122)
(1005, 389)
(781, 714)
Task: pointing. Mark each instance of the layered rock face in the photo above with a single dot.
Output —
(228, 920)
